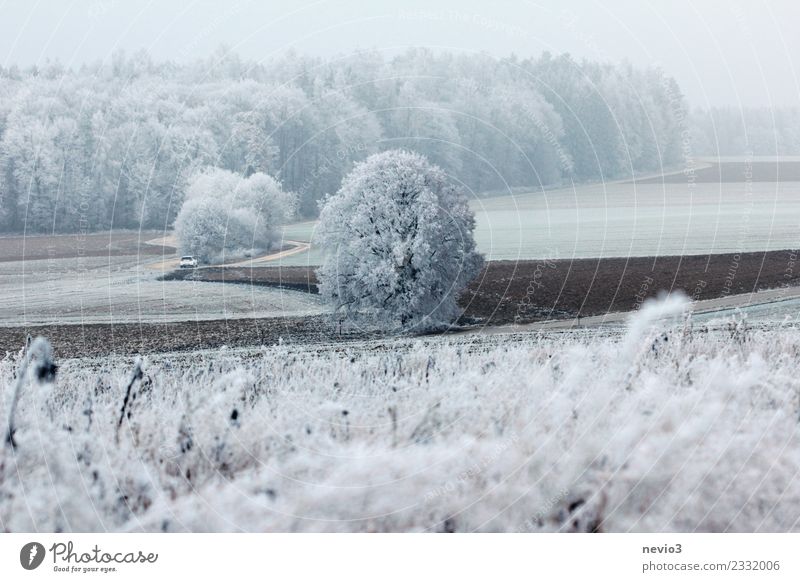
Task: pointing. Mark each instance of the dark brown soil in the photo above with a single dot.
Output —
(299, 278)
(64, 246)
(533, 290)
(71, 341)
(508, 291)
(505, 292)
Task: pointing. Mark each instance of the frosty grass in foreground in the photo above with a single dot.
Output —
(661, 428)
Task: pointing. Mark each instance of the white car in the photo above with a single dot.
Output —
(188, 263)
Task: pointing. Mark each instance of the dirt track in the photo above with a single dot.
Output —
(291, 247)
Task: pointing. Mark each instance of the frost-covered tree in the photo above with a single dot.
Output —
(399, 243)
(114, 144)
(226, 215)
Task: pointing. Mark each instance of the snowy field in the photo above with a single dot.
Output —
(622, 220)
(122, 289)
(602, 220)
(661, 426)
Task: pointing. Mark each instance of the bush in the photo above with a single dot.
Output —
(226, 215)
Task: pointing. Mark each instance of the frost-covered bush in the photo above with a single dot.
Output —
(399, 243)
(226, 215)
(660, 428)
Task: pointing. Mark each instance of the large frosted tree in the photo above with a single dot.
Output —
(398, 242)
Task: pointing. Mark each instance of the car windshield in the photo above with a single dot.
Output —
(186, 258)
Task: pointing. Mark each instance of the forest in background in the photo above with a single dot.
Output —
(114, 144)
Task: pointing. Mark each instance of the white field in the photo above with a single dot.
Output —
(612, 219)
(123, 289)
(656, 428)
(615, 219)
(619, 219)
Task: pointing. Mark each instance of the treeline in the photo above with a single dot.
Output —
(747, 131)
(113, 145)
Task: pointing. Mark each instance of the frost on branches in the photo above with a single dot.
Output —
(227, 216)
(399, 244)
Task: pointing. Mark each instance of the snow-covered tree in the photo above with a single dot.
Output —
(226, 215)
(114, 144)
(205, 228)
(399, 243)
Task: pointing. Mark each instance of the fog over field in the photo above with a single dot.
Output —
(349, 266)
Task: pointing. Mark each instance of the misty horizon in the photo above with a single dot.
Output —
(707, 47)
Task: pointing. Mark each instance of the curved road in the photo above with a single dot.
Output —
(172, 263)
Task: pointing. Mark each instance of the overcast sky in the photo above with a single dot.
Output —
(723, 52)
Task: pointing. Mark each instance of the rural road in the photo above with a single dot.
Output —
(172, 263)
